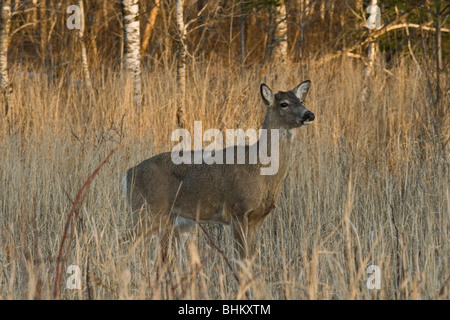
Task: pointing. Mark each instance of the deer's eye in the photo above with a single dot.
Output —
(284, 105)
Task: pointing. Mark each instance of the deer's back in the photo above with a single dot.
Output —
(199, 190)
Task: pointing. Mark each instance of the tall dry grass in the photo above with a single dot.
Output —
(368, 185)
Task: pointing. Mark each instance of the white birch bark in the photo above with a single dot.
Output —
(84, 59)
(5, 30)
(372, 23)
(181, 63)
(131, 35)
(373, 44)
(280, 38)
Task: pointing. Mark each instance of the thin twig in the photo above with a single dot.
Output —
(212, 244)
(78, 201)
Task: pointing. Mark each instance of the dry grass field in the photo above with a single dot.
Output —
(368, 185)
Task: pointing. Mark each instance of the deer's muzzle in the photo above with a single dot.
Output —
(308, 117)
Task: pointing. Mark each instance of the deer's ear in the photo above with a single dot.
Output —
(302, 89)
(267, 95)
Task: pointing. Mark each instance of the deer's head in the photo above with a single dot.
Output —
(286, 108)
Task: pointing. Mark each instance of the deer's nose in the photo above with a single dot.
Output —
(308, 116)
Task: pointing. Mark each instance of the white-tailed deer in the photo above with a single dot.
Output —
(162, 194)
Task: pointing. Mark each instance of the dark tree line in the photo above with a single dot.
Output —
(34, 34)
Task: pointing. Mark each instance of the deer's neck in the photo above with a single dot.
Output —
(279, 146)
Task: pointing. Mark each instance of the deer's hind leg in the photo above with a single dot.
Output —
(182, 230)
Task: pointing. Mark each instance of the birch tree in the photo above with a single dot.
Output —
(181, 64)
(373, 23)
(132, 59)
(84, 59)
(280, 37)
(182, 31)
(5, 29)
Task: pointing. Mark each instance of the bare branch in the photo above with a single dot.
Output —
(186, 26)
(24, 26)
(415, 25)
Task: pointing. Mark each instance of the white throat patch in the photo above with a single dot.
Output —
(287, 134)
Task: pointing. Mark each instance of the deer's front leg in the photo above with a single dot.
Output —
(252, 235)
(239, 227)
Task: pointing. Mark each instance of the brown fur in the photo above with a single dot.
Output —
(159, 191)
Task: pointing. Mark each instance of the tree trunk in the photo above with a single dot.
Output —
(131, 36)
(305, 7)
(242, 19)
(372, 49)
(5, 30)
(181, 64)
(371, 57)
(34, 14)
(84, 59)
(280, 38)
(149, 27)
(438, 41)
(48, 12)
